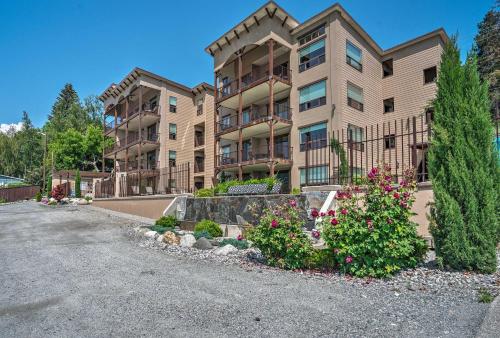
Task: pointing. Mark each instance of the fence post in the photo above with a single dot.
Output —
(351, 158)
(308, 141)
(414, 143)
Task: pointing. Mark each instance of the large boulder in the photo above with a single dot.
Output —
(203, 244)
(151, 234)
(188, 240)
(159, 238)
(170, 238)
(226, 249)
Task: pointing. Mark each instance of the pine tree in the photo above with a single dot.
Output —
(67, 112)
(78, 181)
(463, 168)
(49, 184)
(487, 48)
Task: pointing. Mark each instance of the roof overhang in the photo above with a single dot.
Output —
(270, 9)
(200, 88)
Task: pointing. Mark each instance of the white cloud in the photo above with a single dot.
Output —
(5, 127)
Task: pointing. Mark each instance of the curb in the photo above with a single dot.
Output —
(490, 327)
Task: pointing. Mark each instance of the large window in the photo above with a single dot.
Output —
(311, 35)
(355, 135)
(313, 137)
(355, 96)
(312, 96)
(172, 156)
(312, 55)
(315, 175)
(390, 141)
(353, 56)
(172, 131)
(172, 101)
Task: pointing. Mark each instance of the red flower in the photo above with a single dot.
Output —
(322, 214)
(314, 213)
(348, 259)
(396, 195)
(388, 188)
(293, 203)
(343, 211)
(331, 212)
(274, 223)
(315, 233)
(334, 221)
(239, 238)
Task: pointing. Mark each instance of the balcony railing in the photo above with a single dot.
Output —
(282, 151)
(227, 122)
(134, 165)
(227, 158)
(230, 88)
(132, 138)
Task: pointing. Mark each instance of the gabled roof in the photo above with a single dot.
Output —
(115, 90)
(198, 89)
(270, 9)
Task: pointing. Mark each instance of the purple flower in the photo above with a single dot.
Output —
(388, 188)
(315, 233)
(348, 259)
(293, 203)
(274, 223)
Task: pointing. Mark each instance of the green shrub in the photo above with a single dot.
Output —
(485, 296)
(295, 191)
(280, 238)
(463, 168)
(371, 234)
(321, 259)
(206, 192)
(2, 200)
(78, 182)
(88, 198)
(38, 197)
(239, 244)
(167, 221)
(49, 185)
(223, 187)
(211, 227)
(203, 233)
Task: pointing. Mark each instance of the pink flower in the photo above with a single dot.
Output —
(274, 223)
(314, 213)
(240, 237)
(322, 214)
(348, 259)
(388, 188)
(334, 221)
(331, 212)
(315, 233)
(406, 195)
(369, 222)
(343, 211)
(336, 251)
(396, 195)
(389, 221)
(293, 203)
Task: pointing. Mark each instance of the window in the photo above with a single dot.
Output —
(355, 96)
(226, 155)
(387, 69)
(313, 137)
(311, 35)
(172, 156)
(172, 100)
(429, 115)
(430, 75)
(151, 133)
(315, 175)
(353, 56)
(355, 136)
(172, 131)
(226, 122)
(199, 107)
(312, 55)
(390, 141)
(312, 96)
(389, 105)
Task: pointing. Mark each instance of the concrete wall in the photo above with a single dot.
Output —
(144, 206)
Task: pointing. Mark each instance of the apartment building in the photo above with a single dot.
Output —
(163, 134)
(284, 88)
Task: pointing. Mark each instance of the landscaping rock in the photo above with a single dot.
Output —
(203, 244)
(188, 240)
(214, 242)
(159, 238)
(226, 249)
(151, 234)
(170, 238)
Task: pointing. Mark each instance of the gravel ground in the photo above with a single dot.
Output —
(75, 272)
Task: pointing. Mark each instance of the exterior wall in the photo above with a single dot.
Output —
(149, 207)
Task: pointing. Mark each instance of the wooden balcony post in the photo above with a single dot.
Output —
(271, 106)
(240, 116)
(126, 133)
(215, 128)
(140, 138)
(103, 139)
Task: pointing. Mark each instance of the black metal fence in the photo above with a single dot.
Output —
(348, 154)
(144, 182)
(177, 179)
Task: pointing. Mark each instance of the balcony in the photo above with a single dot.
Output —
(256, 156)
(134, 165)
(254, 87)
(148, 142)
(199, 165)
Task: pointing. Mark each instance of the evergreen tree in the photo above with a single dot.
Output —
(78, 181)
(49, 184)
(30, 151)
(487, 48)
(463, 168)
(67, 112)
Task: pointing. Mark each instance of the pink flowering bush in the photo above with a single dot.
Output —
(371, 233)
(280, 238)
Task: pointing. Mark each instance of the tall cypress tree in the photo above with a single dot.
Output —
(463, 168)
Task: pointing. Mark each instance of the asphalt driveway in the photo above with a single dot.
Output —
(73, 272)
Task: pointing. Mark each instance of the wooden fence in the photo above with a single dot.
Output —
(18, 193)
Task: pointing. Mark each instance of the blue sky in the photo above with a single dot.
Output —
(91, 43)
